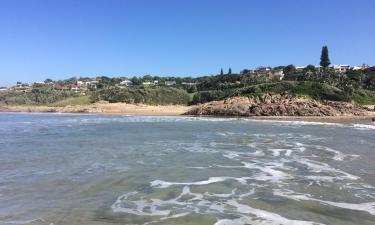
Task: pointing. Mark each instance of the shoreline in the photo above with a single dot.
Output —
(170, 110)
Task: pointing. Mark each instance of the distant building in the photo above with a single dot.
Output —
(363, 67)
(80, 83)
(170, 82)
(22, 87)
(188, 84)
(60, 87)
(300, 67)
(3, 89)
(75, 88)
(341, 68)
(264, 72)
(92, 84)
(155, 82)
(278, 73)
(125, 83)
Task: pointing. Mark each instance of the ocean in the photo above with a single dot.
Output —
(101, 169)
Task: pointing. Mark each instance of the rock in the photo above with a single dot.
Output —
(276, 105)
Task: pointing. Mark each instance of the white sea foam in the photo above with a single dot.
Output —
(367, 206)
(262, 217)
(269, 172)
(21, 222)
(364, 126)
(337, 155)
(319, 167)
(312, 123)
(183, 205)
(299, 123)
(211, 180)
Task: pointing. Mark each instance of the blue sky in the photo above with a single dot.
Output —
(62, 38)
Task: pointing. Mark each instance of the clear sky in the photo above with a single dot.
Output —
(62, 38)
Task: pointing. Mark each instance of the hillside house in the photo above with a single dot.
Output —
(124, 84)
(170, 83)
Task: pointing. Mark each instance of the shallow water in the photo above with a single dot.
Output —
(93, 169)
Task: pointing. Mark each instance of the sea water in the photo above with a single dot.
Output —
(95, 169)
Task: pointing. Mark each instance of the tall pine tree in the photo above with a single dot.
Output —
(221, 71)
(230, 71)
(324, 58)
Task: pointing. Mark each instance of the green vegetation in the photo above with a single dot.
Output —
(314, 90)
(37, 96)
(80, 100)
(364, 97)
(324, 58)
(147, 95)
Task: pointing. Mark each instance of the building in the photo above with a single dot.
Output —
(170, 82)
(75, 88)
(300, 68)
(92, 84)
(2, 89)
(264, 72)
(60, 87)
(155, 82)
(124, 83)
(278, 73)
(341, 68)
(22, 87)
(188, 84)
(363, 67)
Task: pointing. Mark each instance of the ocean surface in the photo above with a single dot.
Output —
(94, 169)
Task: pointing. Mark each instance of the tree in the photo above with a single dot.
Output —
(221, 71)
(289, 69)
(136, 80)
(324, 58)
(48, 80)
(310, 68)
(230, 71)
(245, 71)
(148, 78)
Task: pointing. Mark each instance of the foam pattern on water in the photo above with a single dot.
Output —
(281, 165)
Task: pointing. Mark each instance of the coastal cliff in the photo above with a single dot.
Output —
(277, 105)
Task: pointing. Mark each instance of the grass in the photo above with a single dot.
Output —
(147, 95)
(364, 97)
(314, 90)
(80, 100)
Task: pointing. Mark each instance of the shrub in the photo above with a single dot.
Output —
(147, 95)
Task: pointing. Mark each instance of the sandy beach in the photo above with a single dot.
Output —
(104, 108)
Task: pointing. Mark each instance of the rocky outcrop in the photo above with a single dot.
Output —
(276, 105)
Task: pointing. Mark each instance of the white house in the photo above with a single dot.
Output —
(341, 68)
(363, 67)
(170, 82)
(155, 82)
(3, 89)
(125, 83)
